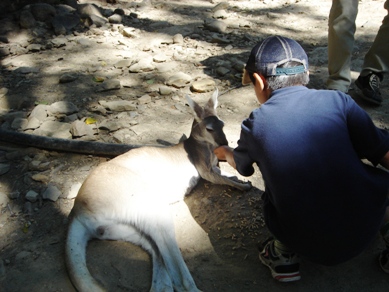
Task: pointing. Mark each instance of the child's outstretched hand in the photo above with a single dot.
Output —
(225, 153)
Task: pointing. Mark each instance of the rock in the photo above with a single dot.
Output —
(160, 58)
(14, 195)
(203, 85)
(110, 84)
(129, 32)
(62, 107)
(34, 47)
(98, 21)
(216, 26)
(27, 70)
(222, 71)
(80, 129)
(40, 178)
(115, 18)
(144, 99)
(59, 42)
(178, 39)
(166, 67)
(19, 124)
(39, 112)
(179, 80)
(52, 193)
(54, 129)
(68, 20)
(33, 123)
(220, 14)
(87, 10)
(109, 125)
(43, 12)
(123, 64)
(26, 19)
(67, 77)
(119, 105)
(144, 65)
(32, 196)
(221, 6)
(165, 90)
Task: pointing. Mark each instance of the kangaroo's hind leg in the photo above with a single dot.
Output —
(160, 278)
(161, 231)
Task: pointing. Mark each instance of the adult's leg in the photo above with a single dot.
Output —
(341, 29)
(377, 58)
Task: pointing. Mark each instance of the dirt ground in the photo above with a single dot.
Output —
(218, 228)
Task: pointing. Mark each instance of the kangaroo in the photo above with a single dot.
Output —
(128, 199)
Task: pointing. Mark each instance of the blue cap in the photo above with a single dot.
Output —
(267, 56)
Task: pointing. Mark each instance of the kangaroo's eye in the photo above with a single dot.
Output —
(209, 128)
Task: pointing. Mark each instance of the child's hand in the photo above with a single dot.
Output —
(225, 153)
(220, 152)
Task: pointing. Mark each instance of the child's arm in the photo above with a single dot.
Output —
(225, 153)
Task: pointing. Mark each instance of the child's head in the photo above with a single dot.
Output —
(280, 60)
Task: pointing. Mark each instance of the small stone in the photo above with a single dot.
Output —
(203, 85)
(67, 77)
(34, 47)
(26, 19)
(41, 178)
(222, 71)
(165, 90)
(129, 32)
(144, 99)
(178, 39)
(116, 18)
(110, 126)
(110, 84)
(63, 107)
(32, 196)
(216, 26)
(179, 80)
(123, 64)
(52, 193)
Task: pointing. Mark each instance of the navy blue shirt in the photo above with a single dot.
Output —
(320, 199)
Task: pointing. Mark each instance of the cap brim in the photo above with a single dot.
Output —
(246, 78)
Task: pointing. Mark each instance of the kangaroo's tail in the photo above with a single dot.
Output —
(76, 243)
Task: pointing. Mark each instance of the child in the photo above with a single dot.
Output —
(321, 201)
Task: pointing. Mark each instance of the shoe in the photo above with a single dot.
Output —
(369, 87)
(283, 267)
(383, 260)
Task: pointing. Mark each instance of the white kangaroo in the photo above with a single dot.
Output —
(128, 199)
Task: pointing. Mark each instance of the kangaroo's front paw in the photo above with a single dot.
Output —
(246, 186)
(242, 185)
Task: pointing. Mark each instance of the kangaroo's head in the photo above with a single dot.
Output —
(207, 127)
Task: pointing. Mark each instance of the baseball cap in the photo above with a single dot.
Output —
(267, 57)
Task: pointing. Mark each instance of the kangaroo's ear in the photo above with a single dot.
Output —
(210, 108)
(198, 110)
